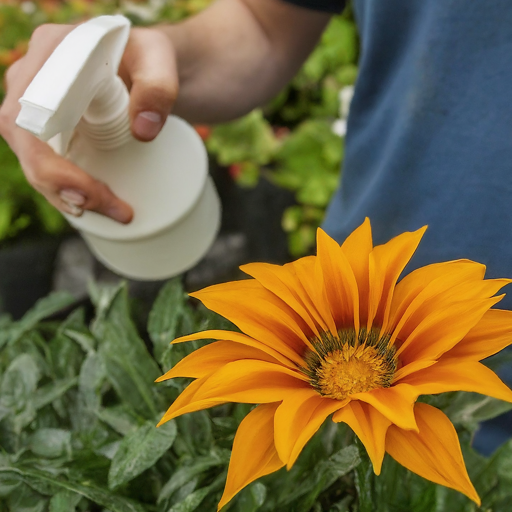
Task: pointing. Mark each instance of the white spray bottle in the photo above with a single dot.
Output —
(78, 101)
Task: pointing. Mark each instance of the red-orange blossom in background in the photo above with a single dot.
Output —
(335, 334)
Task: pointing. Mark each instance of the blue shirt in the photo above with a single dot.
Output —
(429, 136)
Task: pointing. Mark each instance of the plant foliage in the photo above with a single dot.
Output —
(78, 409)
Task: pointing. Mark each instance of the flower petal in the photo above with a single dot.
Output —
(411, 368)
(357, 248)
(370, 426)
(428, 283)
(339, 282)
(298, 417)
(210, 358)
(259, 314)
(185, 402)
(282, 282)
(443, 329)
(303, 270)
(452, 375)
(252, 382)
(433, 452)
(387, 262)
(254, 454)
(308, 272)
(443, 293)
(395, 403)
(244, 340)
(492, 334)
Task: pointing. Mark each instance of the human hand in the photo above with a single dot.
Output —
(149, 70)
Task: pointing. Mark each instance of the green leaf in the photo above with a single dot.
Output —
(326, 473)
(53, 391)
(130, 368)
(92, 376)
(165, 315)
(64, 501)
(7, 484)
(194, 499)
(195, 432)
(469, 409)
(102, 296)
(120, 418)
(19, 383)
(493, 478)
(139, 451)
(252, 497)
(43, 308)
(249, 139)
(48, 484)
(23, 499)
(193, 468)
(75, 329)
(50, 442)
(191, 502)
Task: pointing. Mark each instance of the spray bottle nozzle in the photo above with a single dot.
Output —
(78, 72)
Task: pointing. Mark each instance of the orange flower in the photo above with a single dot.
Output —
(335, 334)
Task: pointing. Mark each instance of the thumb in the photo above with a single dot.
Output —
(149, 68)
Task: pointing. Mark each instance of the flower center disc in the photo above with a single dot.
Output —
(344, 365)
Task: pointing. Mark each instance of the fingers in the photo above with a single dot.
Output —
(68, 187)
(63, 184)
(149, 67)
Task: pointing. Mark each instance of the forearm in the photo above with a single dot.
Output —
(238, 54)
(218, 65)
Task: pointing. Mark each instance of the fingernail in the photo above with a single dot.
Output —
(76, 211)
(119, 214)
(147, 124)
(73, 197)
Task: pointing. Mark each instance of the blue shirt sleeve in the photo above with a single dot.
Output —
(333, 6)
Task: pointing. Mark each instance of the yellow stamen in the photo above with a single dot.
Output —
(344, 365)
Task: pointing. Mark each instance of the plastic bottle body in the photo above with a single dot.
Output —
(177, 209)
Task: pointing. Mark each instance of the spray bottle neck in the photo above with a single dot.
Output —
(106, 121)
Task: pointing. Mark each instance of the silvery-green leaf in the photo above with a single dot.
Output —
(19, 382)
(469, 409)
(92, 375)
(165, 315)
(120, 418)
(43, 308)
(129, 366)
(23, 499)
(196, 466)
(140, 450)
(50, 442)
(7, 484)
(49, 485)
(47, 394)
(191, 502)
(64, 501)
(252, 497)
(109, 450)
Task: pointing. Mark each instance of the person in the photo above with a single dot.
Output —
(429, 136)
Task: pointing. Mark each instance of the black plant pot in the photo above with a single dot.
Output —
(26, 272)
(257, 213)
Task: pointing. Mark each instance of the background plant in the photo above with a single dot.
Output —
(78, 409)
(289, 142)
